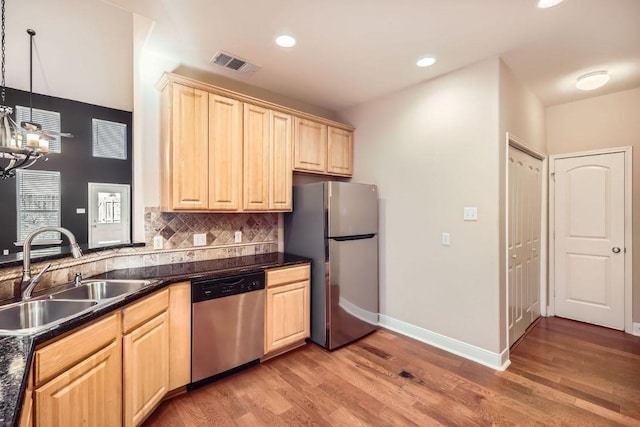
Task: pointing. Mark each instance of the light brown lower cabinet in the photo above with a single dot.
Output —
(287, 311)
(78, 377)
(114, 371)
(86, 395)
(145, 368)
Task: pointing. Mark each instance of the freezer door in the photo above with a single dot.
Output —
(352, 290)
(352, 209)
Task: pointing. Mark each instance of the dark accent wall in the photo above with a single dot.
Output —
(75, 163)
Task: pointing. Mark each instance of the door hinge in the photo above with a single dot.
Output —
(553, 176)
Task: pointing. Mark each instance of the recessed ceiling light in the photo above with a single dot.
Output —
(425, 62)
(544, 4)
(591, 81)
(285, 41)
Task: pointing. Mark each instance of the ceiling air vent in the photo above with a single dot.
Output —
(227, 60)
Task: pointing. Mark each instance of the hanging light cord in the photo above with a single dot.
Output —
(31, 34)
(3, 54)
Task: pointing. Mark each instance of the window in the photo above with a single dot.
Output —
(38, 204)
(109, 139)
(49, 120)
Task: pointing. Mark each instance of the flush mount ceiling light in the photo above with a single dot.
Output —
(426, 62)
(545, 4)
(285, 41)
(591, 81)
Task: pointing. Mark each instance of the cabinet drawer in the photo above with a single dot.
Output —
(282, 276)
(68, 351)
(141, 311)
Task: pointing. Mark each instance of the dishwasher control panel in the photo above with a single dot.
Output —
(202, 290)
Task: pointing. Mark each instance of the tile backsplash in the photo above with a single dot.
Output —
(259, 235)
(177, 229)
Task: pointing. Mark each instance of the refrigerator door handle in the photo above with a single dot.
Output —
(357, 237)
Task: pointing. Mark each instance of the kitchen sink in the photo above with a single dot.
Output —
(31, 316)
(101, 289)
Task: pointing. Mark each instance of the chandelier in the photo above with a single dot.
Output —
(19, 147)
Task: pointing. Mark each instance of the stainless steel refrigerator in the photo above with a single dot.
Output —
(336, 225)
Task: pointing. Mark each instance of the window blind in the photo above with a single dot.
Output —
(38, 202)
(109, 139)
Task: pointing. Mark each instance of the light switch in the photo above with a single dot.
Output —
(471, 214)
(446, 239)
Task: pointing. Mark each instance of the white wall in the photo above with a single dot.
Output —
(83, 50)
(606, 121)
(433, 149)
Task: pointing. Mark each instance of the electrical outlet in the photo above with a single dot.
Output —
(199, 239)
(446, 239)
(470, 214)
(238, 237)
(5, 252)
(157, 242)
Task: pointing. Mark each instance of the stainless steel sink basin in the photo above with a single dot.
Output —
(31, 316)
(101, 289)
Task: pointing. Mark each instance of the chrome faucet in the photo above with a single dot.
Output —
(28, 283)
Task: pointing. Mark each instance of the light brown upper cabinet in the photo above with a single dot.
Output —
(267, 159)
(340, 151)
(185, 142)
(310, 150)
(323, 149)
(280, 177)
(225, 153)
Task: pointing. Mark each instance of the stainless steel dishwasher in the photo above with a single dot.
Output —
(227, 324)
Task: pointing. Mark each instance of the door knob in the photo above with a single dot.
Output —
(616, 250)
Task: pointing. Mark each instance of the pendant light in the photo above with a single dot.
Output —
(14, 154)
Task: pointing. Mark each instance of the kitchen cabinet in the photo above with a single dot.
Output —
(310, 146)
(339, 151)
(185, 142)
(201, 151)
(179, 335)
(225, 153)
(267, 159)
(287, 311)
(319, 148)
(78, 379)
(145, 355)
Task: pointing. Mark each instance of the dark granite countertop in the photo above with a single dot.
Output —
(16, 352)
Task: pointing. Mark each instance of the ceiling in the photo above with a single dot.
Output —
(350, 52)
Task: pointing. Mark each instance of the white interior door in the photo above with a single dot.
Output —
(525, 192)
(109, 214)
(590, 239)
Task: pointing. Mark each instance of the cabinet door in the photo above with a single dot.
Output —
(340, 151)
(287, 315)
(189, 148)
(89, 394)
(225, 153)
(179, 335)
(281, 173)
(256, 158)
(146, 368)
(310, 146)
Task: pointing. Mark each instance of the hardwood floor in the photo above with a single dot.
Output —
(563, 373)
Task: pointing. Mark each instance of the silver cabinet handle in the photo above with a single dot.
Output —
(616, 250)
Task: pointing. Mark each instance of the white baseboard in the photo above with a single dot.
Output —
(357, 312)
(497, 361)
(636, 329)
